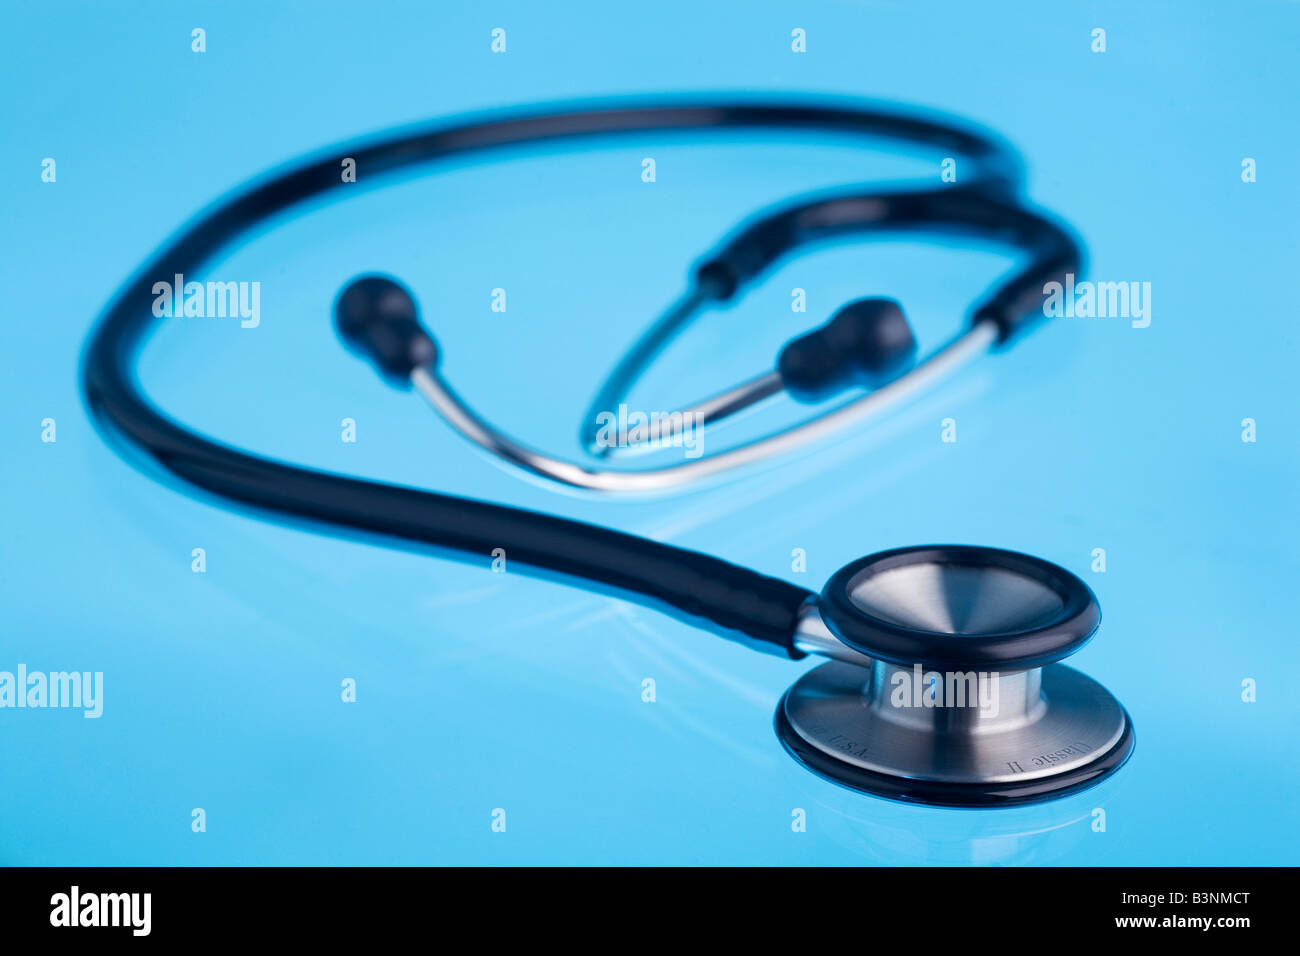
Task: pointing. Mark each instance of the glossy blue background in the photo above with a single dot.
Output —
(479, 691)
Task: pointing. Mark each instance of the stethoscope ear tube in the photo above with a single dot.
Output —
(1019, 305)
(867, 345)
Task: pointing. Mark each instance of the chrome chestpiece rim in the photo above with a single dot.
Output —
(955, 700)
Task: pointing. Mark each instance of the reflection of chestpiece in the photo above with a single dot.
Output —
(960, 702)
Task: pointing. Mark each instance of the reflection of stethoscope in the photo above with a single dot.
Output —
(942, 687)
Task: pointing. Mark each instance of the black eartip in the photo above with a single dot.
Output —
(868, 342)
(379, 320)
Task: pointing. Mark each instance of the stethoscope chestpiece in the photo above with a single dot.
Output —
(959, 607)
(961, 702)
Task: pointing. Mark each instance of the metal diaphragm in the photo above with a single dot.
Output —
(960, 705)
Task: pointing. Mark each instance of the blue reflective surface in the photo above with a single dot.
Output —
(478, 691)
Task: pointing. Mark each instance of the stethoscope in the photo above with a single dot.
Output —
(942, 686)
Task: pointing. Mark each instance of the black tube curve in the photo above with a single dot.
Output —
(715, 591)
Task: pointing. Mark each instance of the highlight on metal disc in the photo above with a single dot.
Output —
(959, 606)
(955, 598)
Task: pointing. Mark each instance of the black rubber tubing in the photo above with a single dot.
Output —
(706, 589)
